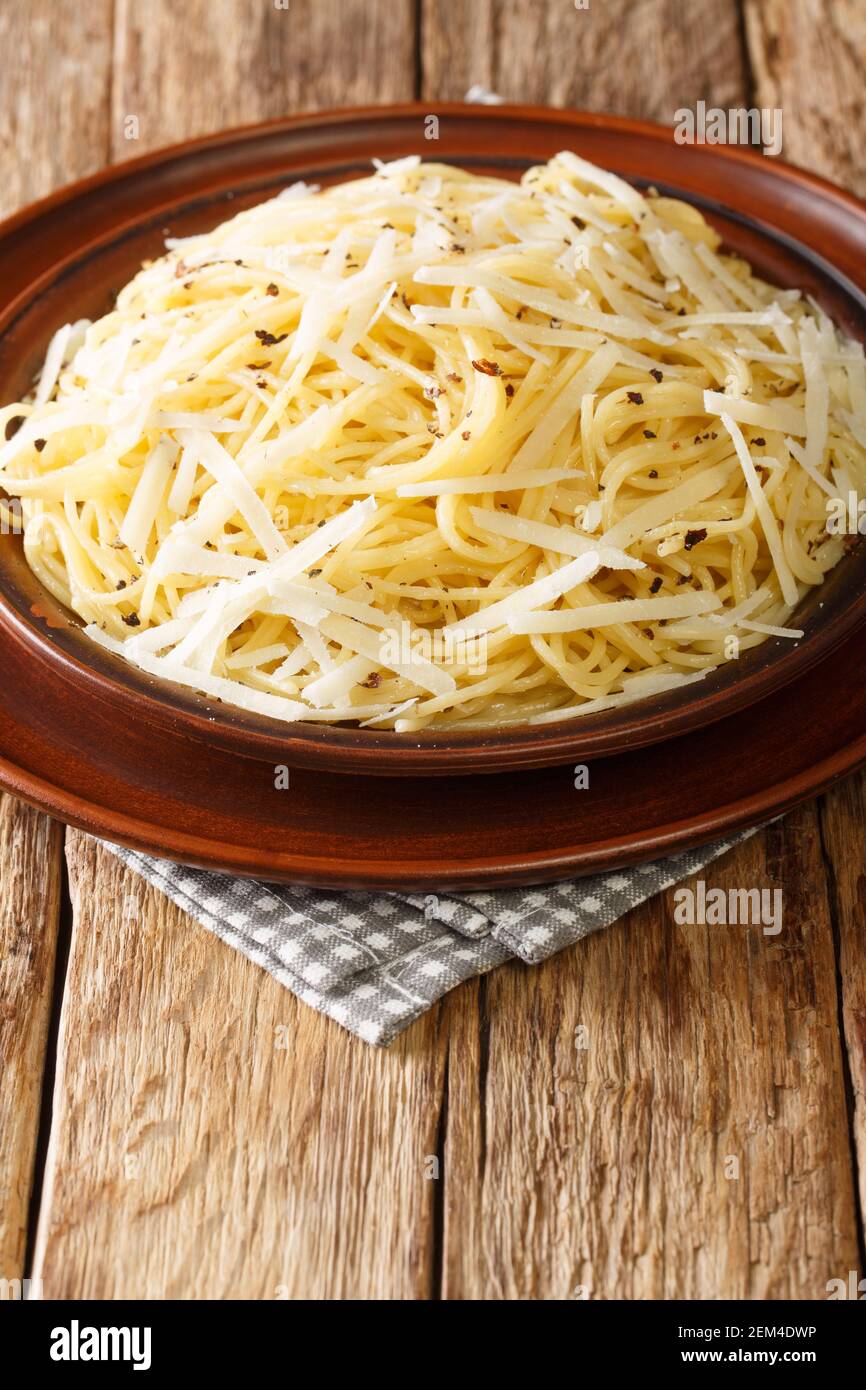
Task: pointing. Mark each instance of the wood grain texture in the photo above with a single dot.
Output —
(53, 97)
(634, 57)
(639, 1117)
(261, 61)
(52, 130)
(808, 58)
(843, 816)
(215, 1138)
(30, 854)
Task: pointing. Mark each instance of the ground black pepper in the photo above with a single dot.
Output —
(487, 367)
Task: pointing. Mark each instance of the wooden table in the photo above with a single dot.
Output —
(155, 1137)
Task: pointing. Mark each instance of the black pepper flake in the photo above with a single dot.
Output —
(653, 473)
(258, 366)
(314, 572)
(681, 313)
(683, 579)
(272, 289)
(269, 339)
(121, 584)
(635, 397)
(578, 223)
(649, 434)
(431, 392)
(556, 323)
(13, 425)
(656, 584)
(695, 537)
(39, 445)
(452, 376)
(373, 681)
(320, 523)
(132, 620)
(656, 374)
(431, 429)
(509, 390)
(487, 367)
(760, 441)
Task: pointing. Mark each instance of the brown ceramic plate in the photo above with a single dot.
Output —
(61, 259)
(184, 799)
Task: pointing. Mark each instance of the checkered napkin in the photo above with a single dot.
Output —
(375, 961)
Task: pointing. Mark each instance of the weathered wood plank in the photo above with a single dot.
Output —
(843, 816)
(54, 95)
(30, 857)
(261, 61)
(660, 1112)
(634, 59)
(808, 58)
(52, 129)
(214, 1138)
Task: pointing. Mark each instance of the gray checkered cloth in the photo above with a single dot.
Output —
(375, 961)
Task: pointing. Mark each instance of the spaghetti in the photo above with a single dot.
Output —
(435, 449)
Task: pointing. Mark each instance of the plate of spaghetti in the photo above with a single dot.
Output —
(433, 456)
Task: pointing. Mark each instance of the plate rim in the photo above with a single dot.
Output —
(577, 116)
(479, 873)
